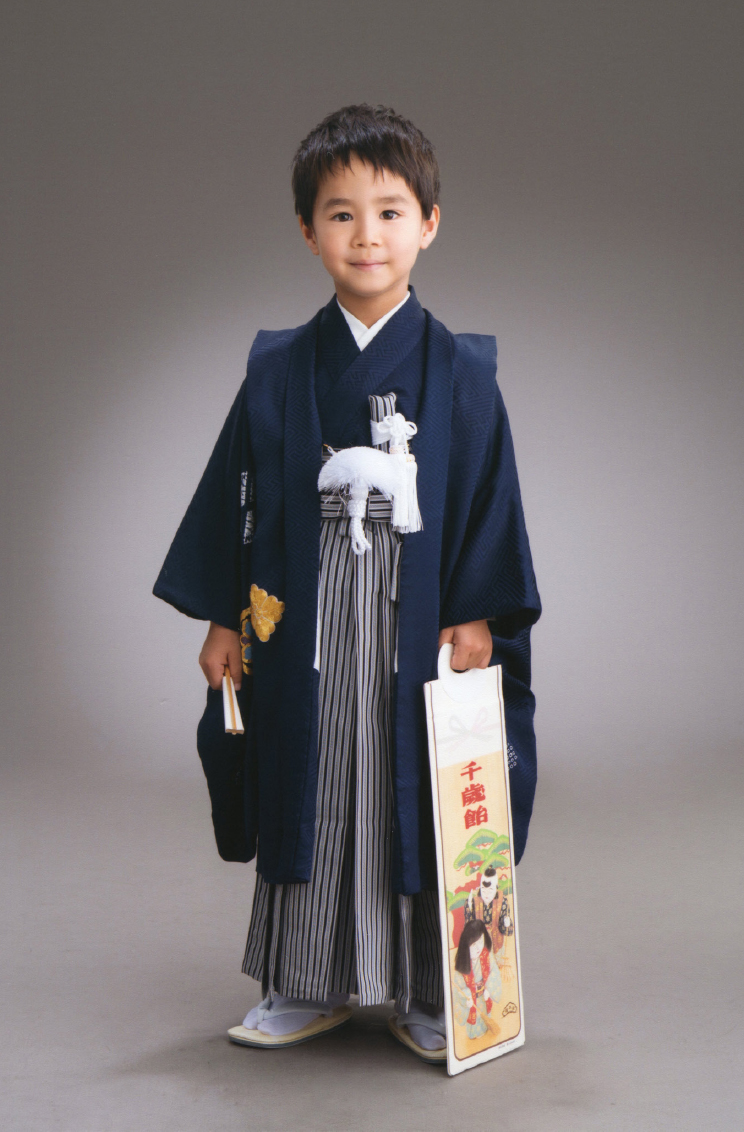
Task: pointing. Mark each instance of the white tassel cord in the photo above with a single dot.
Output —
(410, 517)
(356, 509)
(395, 429)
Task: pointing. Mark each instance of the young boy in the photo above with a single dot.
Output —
(328, 605)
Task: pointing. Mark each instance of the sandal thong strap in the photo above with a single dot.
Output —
(418, 1018)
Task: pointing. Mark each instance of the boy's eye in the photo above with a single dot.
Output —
(386, 214)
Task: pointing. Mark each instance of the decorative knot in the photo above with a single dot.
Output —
(393, 428)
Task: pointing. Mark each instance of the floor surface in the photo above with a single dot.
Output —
(123, 936)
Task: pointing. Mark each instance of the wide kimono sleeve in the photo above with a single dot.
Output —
(493, 579)
(201, 577)
(203, 570)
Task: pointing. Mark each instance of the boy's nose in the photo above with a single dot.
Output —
(366, 235)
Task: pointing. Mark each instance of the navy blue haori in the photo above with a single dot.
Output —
(250, 540)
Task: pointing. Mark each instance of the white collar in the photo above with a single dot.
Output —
(363, 335)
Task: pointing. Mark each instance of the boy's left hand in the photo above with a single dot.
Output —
(473, 645)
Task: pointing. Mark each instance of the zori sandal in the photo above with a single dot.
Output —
(320, 1025)
(400, 1031)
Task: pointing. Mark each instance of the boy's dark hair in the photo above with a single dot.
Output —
(470, 933)
(374, 134)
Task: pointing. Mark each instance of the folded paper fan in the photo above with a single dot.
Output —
(233, 719)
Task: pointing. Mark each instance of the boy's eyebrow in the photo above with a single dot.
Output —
(336, 202)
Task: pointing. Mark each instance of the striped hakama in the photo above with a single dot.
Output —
(345, 930)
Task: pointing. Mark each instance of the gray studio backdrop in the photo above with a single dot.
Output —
(591, 163)
(591, 160)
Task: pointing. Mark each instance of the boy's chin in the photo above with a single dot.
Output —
(367, 287)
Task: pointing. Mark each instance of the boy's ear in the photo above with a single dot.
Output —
(430, 226)
(309, 236)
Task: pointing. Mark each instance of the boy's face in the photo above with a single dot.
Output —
(367, 229)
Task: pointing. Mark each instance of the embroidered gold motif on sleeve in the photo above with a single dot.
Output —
(266, 610)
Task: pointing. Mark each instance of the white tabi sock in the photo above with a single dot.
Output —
(282, 1015)
(425, 1024)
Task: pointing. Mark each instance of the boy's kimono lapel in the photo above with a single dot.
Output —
(418, 616)
(346, 375)
(298, 713)
(336, 351)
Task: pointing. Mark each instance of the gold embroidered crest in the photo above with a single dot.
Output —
(266, 610)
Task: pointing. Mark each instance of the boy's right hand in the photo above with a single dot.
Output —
(221, 647)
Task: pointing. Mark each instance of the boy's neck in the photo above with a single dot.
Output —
(370, 310)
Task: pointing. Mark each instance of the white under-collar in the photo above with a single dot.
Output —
(363, 335)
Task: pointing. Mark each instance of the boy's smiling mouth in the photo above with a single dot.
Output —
(367, 264)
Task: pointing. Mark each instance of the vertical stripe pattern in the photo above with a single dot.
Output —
(345, 930)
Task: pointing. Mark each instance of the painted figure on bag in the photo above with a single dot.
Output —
(485, 905)
(477, 982)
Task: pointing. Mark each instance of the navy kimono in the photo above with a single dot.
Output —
(255, 521)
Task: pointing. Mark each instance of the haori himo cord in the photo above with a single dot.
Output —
(361, 508)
